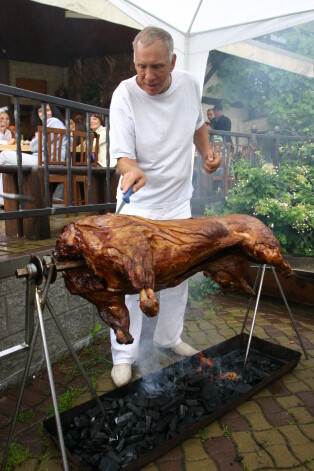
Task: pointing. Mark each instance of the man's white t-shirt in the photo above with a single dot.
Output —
(158, 132)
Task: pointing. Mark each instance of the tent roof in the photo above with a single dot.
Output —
(198, 26)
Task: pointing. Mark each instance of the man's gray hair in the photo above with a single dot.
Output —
(149, 35)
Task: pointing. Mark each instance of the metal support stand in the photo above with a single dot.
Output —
(34, 273)
(262, 269)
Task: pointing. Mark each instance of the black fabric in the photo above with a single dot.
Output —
(222, 124)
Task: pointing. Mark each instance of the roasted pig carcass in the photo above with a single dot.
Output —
(127, 254)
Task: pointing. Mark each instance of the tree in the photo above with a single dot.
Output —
(284, 97)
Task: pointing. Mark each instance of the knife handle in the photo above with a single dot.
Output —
(127, 194)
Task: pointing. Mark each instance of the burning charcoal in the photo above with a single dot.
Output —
(196, 379)
(122, 419)
(208, 390)
(171, 403)
(94, 412)
(85, 433)
(69, 440)
(148, 422)
(120, 445)
(114, 457)
(156, 402)
(113, 440)
(154, 414)
(182, 410)
(114, 405)
(108, 464)
(191, 402)
(140, 427)
(129, 456)
(94, 459)
(140, 401)
(174, 422)
(81, 421)
(133, 408)
(141, 447)
(121, 402)
(197, 411)
(161, 424)
(133, 439)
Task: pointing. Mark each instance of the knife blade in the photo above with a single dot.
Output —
(125, 198)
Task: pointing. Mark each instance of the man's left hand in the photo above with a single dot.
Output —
(211, 161)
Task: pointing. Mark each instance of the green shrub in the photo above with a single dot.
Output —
(281, 197)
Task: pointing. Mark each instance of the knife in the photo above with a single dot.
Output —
(125, 198)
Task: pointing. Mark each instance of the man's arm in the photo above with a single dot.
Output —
(132, 174)
(201, 140)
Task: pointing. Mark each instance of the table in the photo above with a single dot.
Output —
(24, 147)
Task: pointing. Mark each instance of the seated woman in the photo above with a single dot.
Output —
(96, 125)
(54, 120)
(5, 133)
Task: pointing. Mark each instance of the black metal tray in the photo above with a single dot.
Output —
(284, 358)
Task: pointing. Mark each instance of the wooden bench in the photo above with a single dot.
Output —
(38, 227)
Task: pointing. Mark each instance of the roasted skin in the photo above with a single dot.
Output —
(128, 254)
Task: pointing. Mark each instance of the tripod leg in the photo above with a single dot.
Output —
(290, 313)
(77, 361)
(51, 381)
(20, 397)
(254, 316)
(251, 298)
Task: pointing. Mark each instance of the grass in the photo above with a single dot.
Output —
(226, 433)
(25, 415)
(203, 434)
(17, 455)
(66, 401)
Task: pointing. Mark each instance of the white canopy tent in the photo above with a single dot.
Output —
(199, 26)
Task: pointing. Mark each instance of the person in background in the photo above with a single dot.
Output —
(155, 117)
(54, 120)
(221, 122)
(210, 114)
(5, 134)
(96, 121)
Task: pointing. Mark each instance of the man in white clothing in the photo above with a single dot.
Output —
(155, 117)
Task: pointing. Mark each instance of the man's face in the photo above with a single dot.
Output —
(153, 67)
(218, 113)
(210, 115)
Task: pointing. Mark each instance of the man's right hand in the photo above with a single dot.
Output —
(132, 174)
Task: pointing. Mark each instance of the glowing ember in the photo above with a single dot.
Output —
(230, 375)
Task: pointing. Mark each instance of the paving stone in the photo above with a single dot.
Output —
(245, 442)
(249, 407)
(294, 435)
(304, 452)
(274, 413)
(150, 467)
(282, 457)
(204, 465)
(278, 388)
(297, 387)
(307, 398)
(213, 430)
(224, 453)
(257, 460)
(308, 430)
(257, 421)
(301, 415)
(289, 401)
(193, 450)
(176, 454)
(269, 437)
(235, 422)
